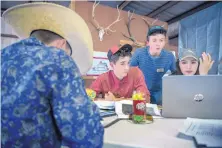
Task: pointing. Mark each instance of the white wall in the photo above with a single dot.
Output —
(7, 30)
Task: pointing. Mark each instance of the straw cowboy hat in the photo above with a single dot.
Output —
(56, 18)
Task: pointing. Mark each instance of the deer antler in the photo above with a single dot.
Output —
(131, 37)
(130, 15)
(95, 23)
(117, 20)
(148, 23)
(151, 24)
(154, 21)
(101, 30)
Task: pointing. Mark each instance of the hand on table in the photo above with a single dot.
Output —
(109, 96)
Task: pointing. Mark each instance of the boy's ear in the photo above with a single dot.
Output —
(147, 43)
(61, 43)
(111, 64)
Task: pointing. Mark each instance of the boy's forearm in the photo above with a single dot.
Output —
(147, 98)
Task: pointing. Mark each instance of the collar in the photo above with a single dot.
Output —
(153, 57)
(116, 81)
(34, 41)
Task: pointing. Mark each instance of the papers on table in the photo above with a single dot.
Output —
(105, 104)
(124, 108)
(206, 132)
(107, 113)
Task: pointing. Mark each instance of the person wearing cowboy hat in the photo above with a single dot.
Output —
(189, 63)
(43, 99)
(120, 82)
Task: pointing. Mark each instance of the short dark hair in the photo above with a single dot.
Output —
(47, 37)
(178, 70)
(121, 53)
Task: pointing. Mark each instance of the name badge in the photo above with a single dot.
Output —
(160, 70)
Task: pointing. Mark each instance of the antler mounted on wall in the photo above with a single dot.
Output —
(131, 37)
(101, 30)
(150, 24)
(133, 41)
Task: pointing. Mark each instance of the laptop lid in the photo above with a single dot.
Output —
(192, 96)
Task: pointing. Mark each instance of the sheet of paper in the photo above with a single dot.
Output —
(105, 104)
(208, 132)
(151, 109)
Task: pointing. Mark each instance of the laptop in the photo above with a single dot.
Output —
(192, 96)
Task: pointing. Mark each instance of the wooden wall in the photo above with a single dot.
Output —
(106, 15)
(8, 36)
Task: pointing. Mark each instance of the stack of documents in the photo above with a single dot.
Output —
(206, 132)
(105, 104)
(122, 106)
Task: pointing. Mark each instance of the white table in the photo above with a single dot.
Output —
(159, 134)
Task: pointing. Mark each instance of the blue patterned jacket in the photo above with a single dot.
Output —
(43, 100)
